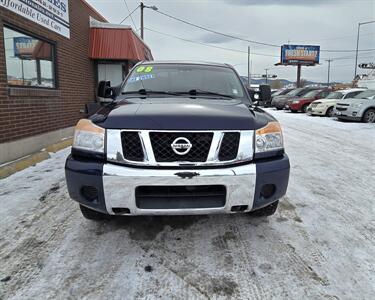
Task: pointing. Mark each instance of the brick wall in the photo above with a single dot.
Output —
(27, 113)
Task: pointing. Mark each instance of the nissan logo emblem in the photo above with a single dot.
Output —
(181, 146)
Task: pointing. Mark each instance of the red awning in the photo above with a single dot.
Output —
(109, 41)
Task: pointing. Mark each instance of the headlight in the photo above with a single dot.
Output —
(356, 105)
(295, 102)
(269, 138)
(89, 137)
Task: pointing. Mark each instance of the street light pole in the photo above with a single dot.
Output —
(329, 68)
(142, 8)
(356, 51)
(266, 75)
(142, 28)
(248, 67)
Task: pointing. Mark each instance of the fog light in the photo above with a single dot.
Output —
(90, 193)
(354, 113)
(121, 210)
(268, 190)
(238, 208)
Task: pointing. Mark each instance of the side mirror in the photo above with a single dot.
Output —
(105, 91)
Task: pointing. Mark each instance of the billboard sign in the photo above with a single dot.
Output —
(24, 46)
(51, 14)
(300, 54)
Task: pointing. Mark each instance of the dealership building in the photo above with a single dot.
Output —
(52, 56)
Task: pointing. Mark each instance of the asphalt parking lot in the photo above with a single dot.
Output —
(319, 245)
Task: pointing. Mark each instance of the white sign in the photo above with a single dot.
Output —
(52, 14)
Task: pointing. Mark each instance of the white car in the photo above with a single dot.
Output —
(358, 108)
(325, 107)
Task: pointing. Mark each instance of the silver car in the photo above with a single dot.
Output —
(358, 108)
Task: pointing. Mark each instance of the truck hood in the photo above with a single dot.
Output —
(180, 114)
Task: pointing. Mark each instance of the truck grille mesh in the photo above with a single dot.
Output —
(229, 146)
(161, 145)
(132, 146)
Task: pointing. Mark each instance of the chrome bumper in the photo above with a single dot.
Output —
(120, 183)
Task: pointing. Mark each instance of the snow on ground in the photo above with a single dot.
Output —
(319, 245)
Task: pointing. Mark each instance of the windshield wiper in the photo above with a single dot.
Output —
(197, 92)
(146, 92)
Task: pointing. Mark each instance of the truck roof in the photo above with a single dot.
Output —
(185, 62)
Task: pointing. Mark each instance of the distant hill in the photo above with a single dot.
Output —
(283, 81)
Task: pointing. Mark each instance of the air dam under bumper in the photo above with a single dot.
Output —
(245, 186)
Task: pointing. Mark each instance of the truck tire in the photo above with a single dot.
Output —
(369, 116)
(91, 214)
(330, 113)
(266, 211)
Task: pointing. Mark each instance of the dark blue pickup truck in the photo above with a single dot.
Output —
(177, 138)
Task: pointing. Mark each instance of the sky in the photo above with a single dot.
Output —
(332, 24)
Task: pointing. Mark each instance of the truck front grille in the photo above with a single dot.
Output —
(152, 148)
(229, 146)
(132, 146)
(161, 144)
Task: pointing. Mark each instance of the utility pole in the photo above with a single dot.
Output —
(248, 67)
(142, 6)
(142, 28)
(266, 75)
(356, 51)
(329, 68)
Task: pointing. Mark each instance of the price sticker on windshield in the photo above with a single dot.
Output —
(144, 69)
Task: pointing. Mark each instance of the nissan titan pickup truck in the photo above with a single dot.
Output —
(177, 138)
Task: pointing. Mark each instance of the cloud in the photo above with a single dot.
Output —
(211, 38)
(282, 2)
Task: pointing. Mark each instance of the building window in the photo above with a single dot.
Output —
(29, 61)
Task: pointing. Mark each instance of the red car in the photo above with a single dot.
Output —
(301, 104)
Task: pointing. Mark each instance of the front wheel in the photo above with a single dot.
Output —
(91, 214)
(266, 211)
(330, 112)
(304, 108)
(369, 116)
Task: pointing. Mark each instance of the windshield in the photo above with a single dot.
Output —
(365, 94)
(335, 95)
(311, 93)
(184, 79)
(294, 92)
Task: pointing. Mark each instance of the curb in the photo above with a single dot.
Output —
(32, 159)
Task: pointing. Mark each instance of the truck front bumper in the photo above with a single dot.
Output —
(114, 189)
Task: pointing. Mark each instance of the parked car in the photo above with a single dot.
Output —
(280, 92)
(280, 101)
(359, 108)
(325, 107)
(191, 145)
(301, 104)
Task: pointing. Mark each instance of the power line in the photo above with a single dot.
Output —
(217, 32)
(247, 40)
(130, 14)
(334, 38)
(207, 45)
